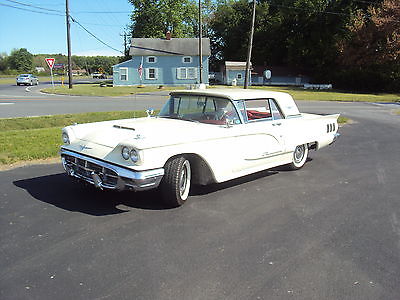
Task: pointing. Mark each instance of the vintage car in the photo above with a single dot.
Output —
(199, 137)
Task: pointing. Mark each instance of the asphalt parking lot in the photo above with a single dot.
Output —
(328, 231)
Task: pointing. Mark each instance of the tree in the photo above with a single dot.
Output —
(153, 18)
(371, 51)
(21, 60)
(3, 62)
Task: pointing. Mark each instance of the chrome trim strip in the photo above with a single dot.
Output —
(268, 155)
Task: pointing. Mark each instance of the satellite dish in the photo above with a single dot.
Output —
(267, 74)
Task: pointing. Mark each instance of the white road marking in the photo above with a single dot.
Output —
(27, 89)
(6, 103)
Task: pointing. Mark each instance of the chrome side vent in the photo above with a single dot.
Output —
(330, 127)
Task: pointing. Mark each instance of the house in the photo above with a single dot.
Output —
(39, 69)
(234, 72)
(167, 61)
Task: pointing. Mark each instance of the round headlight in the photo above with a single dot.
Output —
(65, 138)
(125, 153)
(134, 155)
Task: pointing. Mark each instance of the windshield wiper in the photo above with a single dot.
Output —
(177, 117)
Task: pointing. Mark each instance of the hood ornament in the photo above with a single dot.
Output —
(84, 147)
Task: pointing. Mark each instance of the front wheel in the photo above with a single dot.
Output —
(300, 155)
(175, 184)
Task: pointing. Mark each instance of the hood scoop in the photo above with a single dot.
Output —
(123, 127)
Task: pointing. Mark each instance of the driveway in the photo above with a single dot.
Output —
(328, 231)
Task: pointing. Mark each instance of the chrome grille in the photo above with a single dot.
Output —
(85, 168)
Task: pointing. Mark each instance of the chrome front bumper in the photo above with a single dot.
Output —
(108, 176)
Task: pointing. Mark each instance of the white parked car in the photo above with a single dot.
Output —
(199, 137)
(27, 79)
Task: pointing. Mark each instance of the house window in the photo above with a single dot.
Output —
(123, 74)
(151, 73)
(192, 73)
(239, 76)
(151, 59)
(187, 59)
(186, 73)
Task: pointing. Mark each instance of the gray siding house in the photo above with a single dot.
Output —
(169, 61)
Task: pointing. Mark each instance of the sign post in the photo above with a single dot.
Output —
(50, 63)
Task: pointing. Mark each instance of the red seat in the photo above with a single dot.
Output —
(254, 115)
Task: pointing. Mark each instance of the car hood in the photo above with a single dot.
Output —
(146, 132)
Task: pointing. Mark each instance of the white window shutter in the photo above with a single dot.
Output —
(155, 73)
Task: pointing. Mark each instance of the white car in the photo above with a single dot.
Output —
(199, 137)
(27, 79)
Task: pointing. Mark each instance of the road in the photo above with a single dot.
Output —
(21, 101)
(328, 231)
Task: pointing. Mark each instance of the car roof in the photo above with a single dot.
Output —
(233, 93)
(285, 101)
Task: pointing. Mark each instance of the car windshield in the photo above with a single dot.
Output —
(24, 75)
(198, 108)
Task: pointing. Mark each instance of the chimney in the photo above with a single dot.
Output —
(168, 35)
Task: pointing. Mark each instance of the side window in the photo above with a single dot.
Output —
(123, 74)
(276, 113)
(258, 109)
(151, 59)
(181, 73)
(187, 59)
(151, 73)
(239, 76)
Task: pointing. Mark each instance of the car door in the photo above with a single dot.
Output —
(262, 136)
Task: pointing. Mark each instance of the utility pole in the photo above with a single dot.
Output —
(248, 72)
(126, 49)
(68, 45)
(200, 45)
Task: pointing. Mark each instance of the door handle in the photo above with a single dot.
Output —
(276, 124)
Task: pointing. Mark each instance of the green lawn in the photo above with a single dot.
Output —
(25, 139)
(97, 90)
(332, 95)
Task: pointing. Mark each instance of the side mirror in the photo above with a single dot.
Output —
(149, 112)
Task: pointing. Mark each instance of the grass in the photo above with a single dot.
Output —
(97, 90)
(330, 95)
(26, 139)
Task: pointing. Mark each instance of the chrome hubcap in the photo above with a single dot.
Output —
(299, 154)
(184, 180)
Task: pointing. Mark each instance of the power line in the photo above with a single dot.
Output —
(30, 10)
(34, 6)
(93, 35)
(101, 12)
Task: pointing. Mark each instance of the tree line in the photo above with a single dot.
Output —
(353, 44)
(22, 61)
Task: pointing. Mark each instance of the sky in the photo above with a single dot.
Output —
(46, 32)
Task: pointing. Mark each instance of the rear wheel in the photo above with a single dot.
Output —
(300, 155)
(175, 184)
